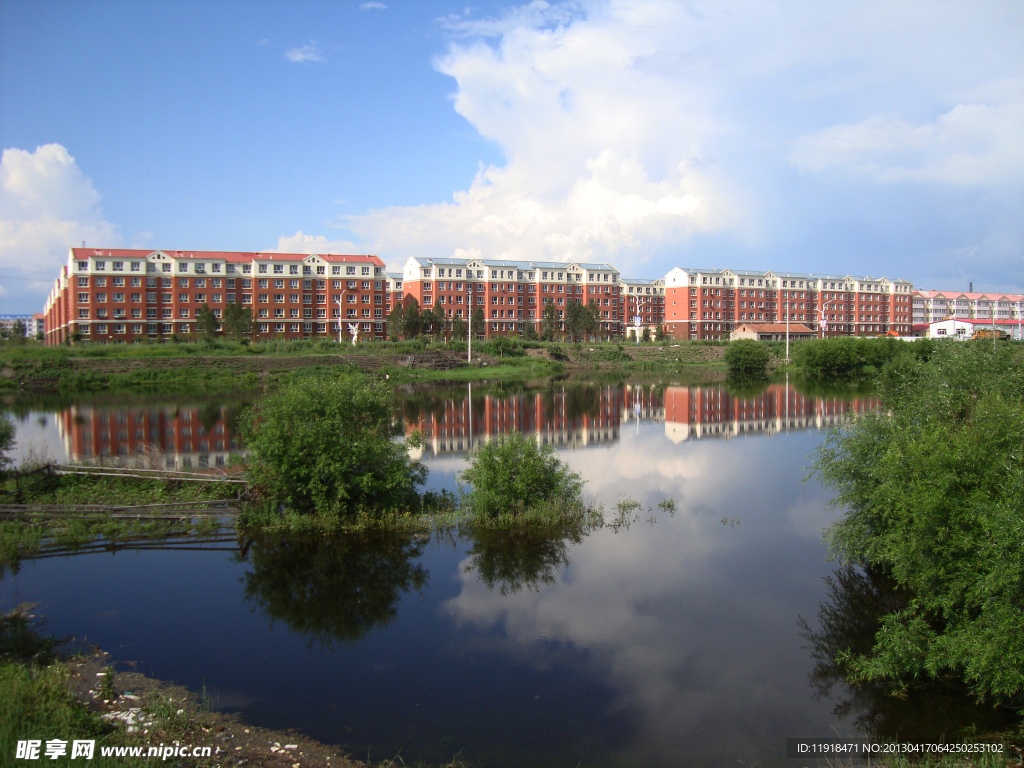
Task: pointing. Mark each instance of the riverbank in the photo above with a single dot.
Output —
(70, 690)
(183, 368)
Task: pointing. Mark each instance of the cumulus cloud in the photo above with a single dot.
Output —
(305, 54)
(634, 130)
(974, 143)
(302, 243)
(46, 206)
(603, 155)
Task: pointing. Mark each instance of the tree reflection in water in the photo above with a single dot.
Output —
(932, 709)
(523, 557)
(334, 587)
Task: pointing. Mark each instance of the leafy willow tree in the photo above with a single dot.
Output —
(326, 445)
(237, 321)
(934, 488)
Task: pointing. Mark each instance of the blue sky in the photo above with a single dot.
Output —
(874, 138)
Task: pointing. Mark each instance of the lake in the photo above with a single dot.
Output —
(672, 640)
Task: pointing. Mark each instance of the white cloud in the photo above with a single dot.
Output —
(46, 206)
(305, 54)
(372, 6)
(630, 128)
(974, 143)
(302, 243)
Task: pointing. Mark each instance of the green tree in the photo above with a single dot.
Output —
(207, 320)
(933, 485)
(326, 444)
(18, 332)
(746, 357)
(412, 323)
(549, 326)
(237, 321)
(530, 331)
(645, 337)
(458, 329)
(513, 475)
(396, 323)
(659, 333)
(479, 323)
(574, 321)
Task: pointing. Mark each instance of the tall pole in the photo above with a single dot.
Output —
(787, 329)
(469, 324)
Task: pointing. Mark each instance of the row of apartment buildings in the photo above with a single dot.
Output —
(185, 438)
(113, 296)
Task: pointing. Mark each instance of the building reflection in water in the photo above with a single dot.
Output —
(179, 437)
(577, 416)
(453, 422)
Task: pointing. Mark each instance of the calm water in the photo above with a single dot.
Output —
(674, 641)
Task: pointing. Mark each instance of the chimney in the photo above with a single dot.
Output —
(970, 287)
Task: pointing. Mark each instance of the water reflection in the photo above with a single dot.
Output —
(931, 708)
(510, 560)
(179, 437)
(578, 415)
(331, 587)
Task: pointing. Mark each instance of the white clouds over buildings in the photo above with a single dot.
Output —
(46, 205)
(630, 127)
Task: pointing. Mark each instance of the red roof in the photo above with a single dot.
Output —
(775, 327)
(229, 256)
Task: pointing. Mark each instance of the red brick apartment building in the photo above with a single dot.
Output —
(708, 303)
(115, 296)
(512, 294)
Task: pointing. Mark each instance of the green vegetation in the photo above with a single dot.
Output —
(327, 445)
(839, 356)
(514, 478)
(747, 358)
(934, 488)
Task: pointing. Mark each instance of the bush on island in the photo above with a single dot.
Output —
(327, 445)
(513, 476)
(746, 357)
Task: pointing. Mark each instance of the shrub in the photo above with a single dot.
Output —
(327, 445)
(845, 355)
(934, 485)
(747, 357)
(514, 475)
